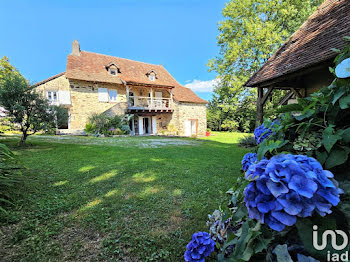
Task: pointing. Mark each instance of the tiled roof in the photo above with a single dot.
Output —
(48, 79)
(311, 44)
(92, 67)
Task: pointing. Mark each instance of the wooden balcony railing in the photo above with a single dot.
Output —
(153, 103)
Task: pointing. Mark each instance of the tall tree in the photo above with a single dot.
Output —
(6, 68)
(26, 108)
(250, 33)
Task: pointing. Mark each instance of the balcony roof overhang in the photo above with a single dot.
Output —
(138, 84)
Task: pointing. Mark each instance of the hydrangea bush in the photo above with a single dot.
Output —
(289, 186)
(263, 132)
(248, 160)
(199, 248)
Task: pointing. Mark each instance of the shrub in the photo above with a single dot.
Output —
(116, 121)
(247, 142)
(125, 129)
(6, 125)
(102, 124)
(172, 129)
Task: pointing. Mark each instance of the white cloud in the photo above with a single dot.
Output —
(203, 86)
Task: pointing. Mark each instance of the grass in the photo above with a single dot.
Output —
(104, 201)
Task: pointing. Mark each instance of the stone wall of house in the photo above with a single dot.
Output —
(60, 83)
(187, 111)
(85, 102)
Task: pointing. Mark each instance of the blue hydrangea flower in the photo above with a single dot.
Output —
(289, 186)
(200, 247)
(262, 132)
(248, 159)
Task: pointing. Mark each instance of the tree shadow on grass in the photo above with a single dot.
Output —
(143, 201)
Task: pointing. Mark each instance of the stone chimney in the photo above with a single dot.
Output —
(75, 48)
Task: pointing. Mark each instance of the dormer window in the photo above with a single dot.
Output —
(152, 75)
(113, 69)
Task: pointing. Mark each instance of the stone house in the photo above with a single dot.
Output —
(97, 83)
(301, 65)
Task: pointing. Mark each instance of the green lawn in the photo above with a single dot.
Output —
(116, 199)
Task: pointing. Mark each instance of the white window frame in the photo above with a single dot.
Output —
(109, 95)
(152, 77)
(51, 94)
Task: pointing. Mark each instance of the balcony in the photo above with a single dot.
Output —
(142, 103)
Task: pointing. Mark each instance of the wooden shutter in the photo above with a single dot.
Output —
(64, 97)
(103, 94)
(154, 125)
(140, 125)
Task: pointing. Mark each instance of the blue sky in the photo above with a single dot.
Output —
(179, 34)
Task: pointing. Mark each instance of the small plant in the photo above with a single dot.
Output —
(125, 129)
(172, 129)
(207, 133)
(247, 142)
(118, 132)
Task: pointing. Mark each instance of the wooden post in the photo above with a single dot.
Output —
(259, 107)
(171, 98)
(127, 96)
(151, 106)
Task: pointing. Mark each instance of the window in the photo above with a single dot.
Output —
(52, 96)
(152, 77)
(112, 95)
(112, 72)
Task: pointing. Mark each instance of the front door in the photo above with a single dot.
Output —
(144, 125)
(190, 127)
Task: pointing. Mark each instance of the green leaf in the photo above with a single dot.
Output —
(329, 139)
(321, 156)
(344, 102)
(346, 135)
(307, 114)
(338, 95)
(336, 158)
(269, 145)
